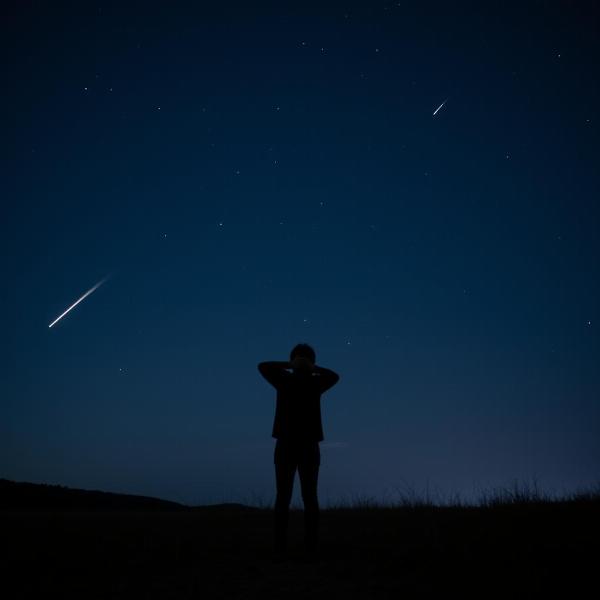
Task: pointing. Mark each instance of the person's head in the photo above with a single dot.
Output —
(304, 351)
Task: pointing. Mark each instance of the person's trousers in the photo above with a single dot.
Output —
(304, 456)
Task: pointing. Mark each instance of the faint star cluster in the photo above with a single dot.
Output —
(419, 188)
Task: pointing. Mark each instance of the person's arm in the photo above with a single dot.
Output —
(274, 370)
(327, 378)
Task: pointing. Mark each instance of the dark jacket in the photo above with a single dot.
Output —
(298, 410)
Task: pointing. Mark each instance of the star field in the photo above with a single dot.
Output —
(410, 188)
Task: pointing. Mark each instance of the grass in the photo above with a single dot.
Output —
(511, 541)
(517, 493)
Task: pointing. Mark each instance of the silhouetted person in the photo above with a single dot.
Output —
(298, 430)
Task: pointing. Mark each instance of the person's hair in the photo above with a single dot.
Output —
(303, 350)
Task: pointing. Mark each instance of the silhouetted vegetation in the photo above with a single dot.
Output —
(516, 542)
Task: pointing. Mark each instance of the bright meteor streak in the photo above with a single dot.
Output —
(440, 106)
(78, 301)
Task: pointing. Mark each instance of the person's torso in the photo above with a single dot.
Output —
(298, 410)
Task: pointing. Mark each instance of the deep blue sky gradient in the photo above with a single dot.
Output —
(252, 177)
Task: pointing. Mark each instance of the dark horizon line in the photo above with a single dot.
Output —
(27, 495)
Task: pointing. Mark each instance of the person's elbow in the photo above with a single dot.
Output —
(265, 368)
(262, 367)
(333, 379)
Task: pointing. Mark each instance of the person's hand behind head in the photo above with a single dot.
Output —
(302, 363)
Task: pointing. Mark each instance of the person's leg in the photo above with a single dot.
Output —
(308, 470)
(285, 470)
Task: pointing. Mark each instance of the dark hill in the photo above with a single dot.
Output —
(15, 495)
(34, 496)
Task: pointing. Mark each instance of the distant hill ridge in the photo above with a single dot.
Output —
(16, 495)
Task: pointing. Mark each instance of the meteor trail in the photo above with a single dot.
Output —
(78, 301)
(440, 106)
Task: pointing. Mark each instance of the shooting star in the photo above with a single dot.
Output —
(78, 301)
(440, 106)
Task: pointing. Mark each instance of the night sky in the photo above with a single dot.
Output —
(250, 177)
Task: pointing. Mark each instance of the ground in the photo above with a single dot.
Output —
(509, 550)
